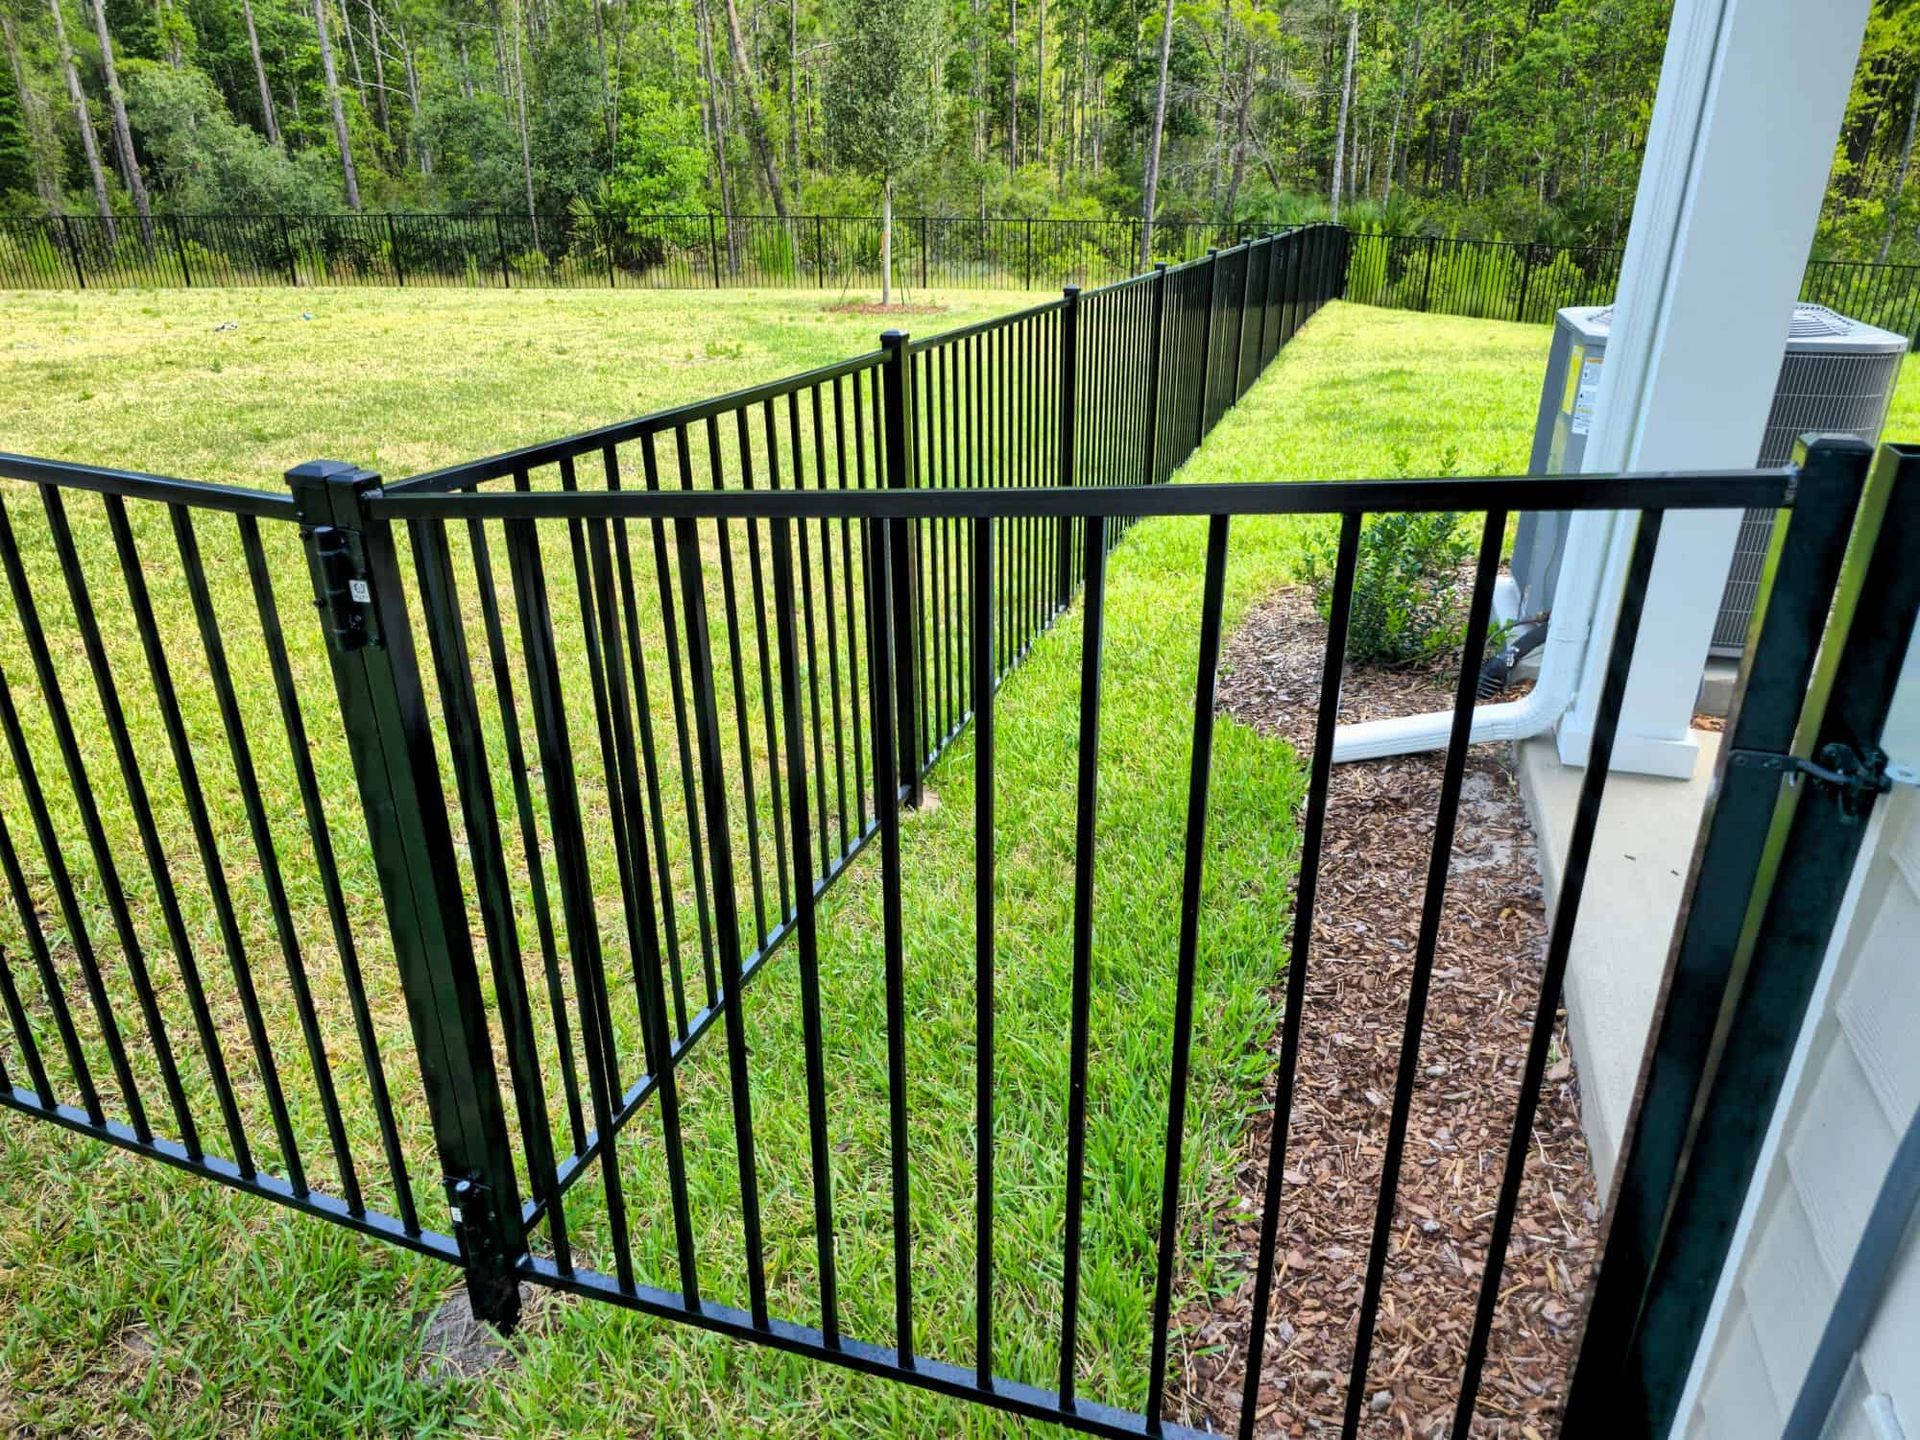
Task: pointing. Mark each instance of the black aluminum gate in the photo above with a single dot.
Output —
(673, 703)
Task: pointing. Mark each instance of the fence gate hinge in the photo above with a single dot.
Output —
(346, 587)
(473, 1222)
(1855, 777)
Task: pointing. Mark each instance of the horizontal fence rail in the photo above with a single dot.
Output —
(503, 251)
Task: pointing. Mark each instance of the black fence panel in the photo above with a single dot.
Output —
(665, 738)
(583, 249)
(1883, 295)
(929, 642)
(1502, 280)
(1481, 279)
(678, 674)
(194, 962)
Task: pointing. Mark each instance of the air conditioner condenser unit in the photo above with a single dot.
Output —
(1837, 376)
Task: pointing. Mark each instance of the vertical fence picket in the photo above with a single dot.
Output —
(1066, 392)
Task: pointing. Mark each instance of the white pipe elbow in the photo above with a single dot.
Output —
(1589, 535)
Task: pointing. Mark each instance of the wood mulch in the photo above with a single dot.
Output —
(1485, 986)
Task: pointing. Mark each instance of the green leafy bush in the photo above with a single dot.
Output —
(1408, 602)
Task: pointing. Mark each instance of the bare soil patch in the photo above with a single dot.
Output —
(1485, 986)
(874, 307)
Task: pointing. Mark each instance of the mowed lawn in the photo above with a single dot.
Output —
(137, 1300)
(238, 385)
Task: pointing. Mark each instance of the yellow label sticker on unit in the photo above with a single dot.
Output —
(1586, 395)
(1574, 357)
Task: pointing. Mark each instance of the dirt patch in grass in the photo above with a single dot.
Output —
(1485, 986)
(874, 307)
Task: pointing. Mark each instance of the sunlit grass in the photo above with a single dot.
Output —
(142, 1301)
(238, 385)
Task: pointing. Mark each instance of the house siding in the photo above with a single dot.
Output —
(1856, 1091)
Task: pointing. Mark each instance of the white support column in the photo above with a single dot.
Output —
(1752, 93)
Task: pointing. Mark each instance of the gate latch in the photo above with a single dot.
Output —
(346, 587)
(1856, 777)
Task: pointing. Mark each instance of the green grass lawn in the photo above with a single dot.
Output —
(398, 381)
(138, 1300)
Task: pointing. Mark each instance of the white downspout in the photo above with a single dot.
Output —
(1589, 538)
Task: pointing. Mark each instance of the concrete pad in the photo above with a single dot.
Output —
(1641, 851)
(1717, 686)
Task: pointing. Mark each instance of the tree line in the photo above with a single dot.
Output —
(1515, 119)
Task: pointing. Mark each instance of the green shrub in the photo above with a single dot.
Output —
(1408, 603)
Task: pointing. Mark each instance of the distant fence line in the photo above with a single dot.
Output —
(1528, 282)
(1477, 279)
(577, 251)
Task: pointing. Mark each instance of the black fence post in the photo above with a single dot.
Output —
(1156, 335)
(1206, 346)
(1029, 284)
(1069, 376)
(1426, 283)
(906, 562)
(73, 251)
(293, 262)
(359, 592)
(500, 240)
(1756, 918)
(819, 253)
(393, 244)
(180, 249)
(1240, 324)
(923, 252)
(713, 248)
(1526, 276)
(1269, 308)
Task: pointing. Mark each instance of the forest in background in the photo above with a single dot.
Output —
(1515, 119)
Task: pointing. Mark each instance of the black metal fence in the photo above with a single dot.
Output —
(1482, 279)
(1883, 295)
(585, 250)
(668, 736)
(1505, 280)
(679, 673)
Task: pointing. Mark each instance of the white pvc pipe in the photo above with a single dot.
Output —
(1589, 538)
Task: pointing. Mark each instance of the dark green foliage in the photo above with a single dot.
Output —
(1408, 600)
(477, 164)
(200, 159)
(16, 153)
(1507, 119)
(660, 167)
(883, 84)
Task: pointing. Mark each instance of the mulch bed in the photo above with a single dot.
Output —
(1485, 984)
